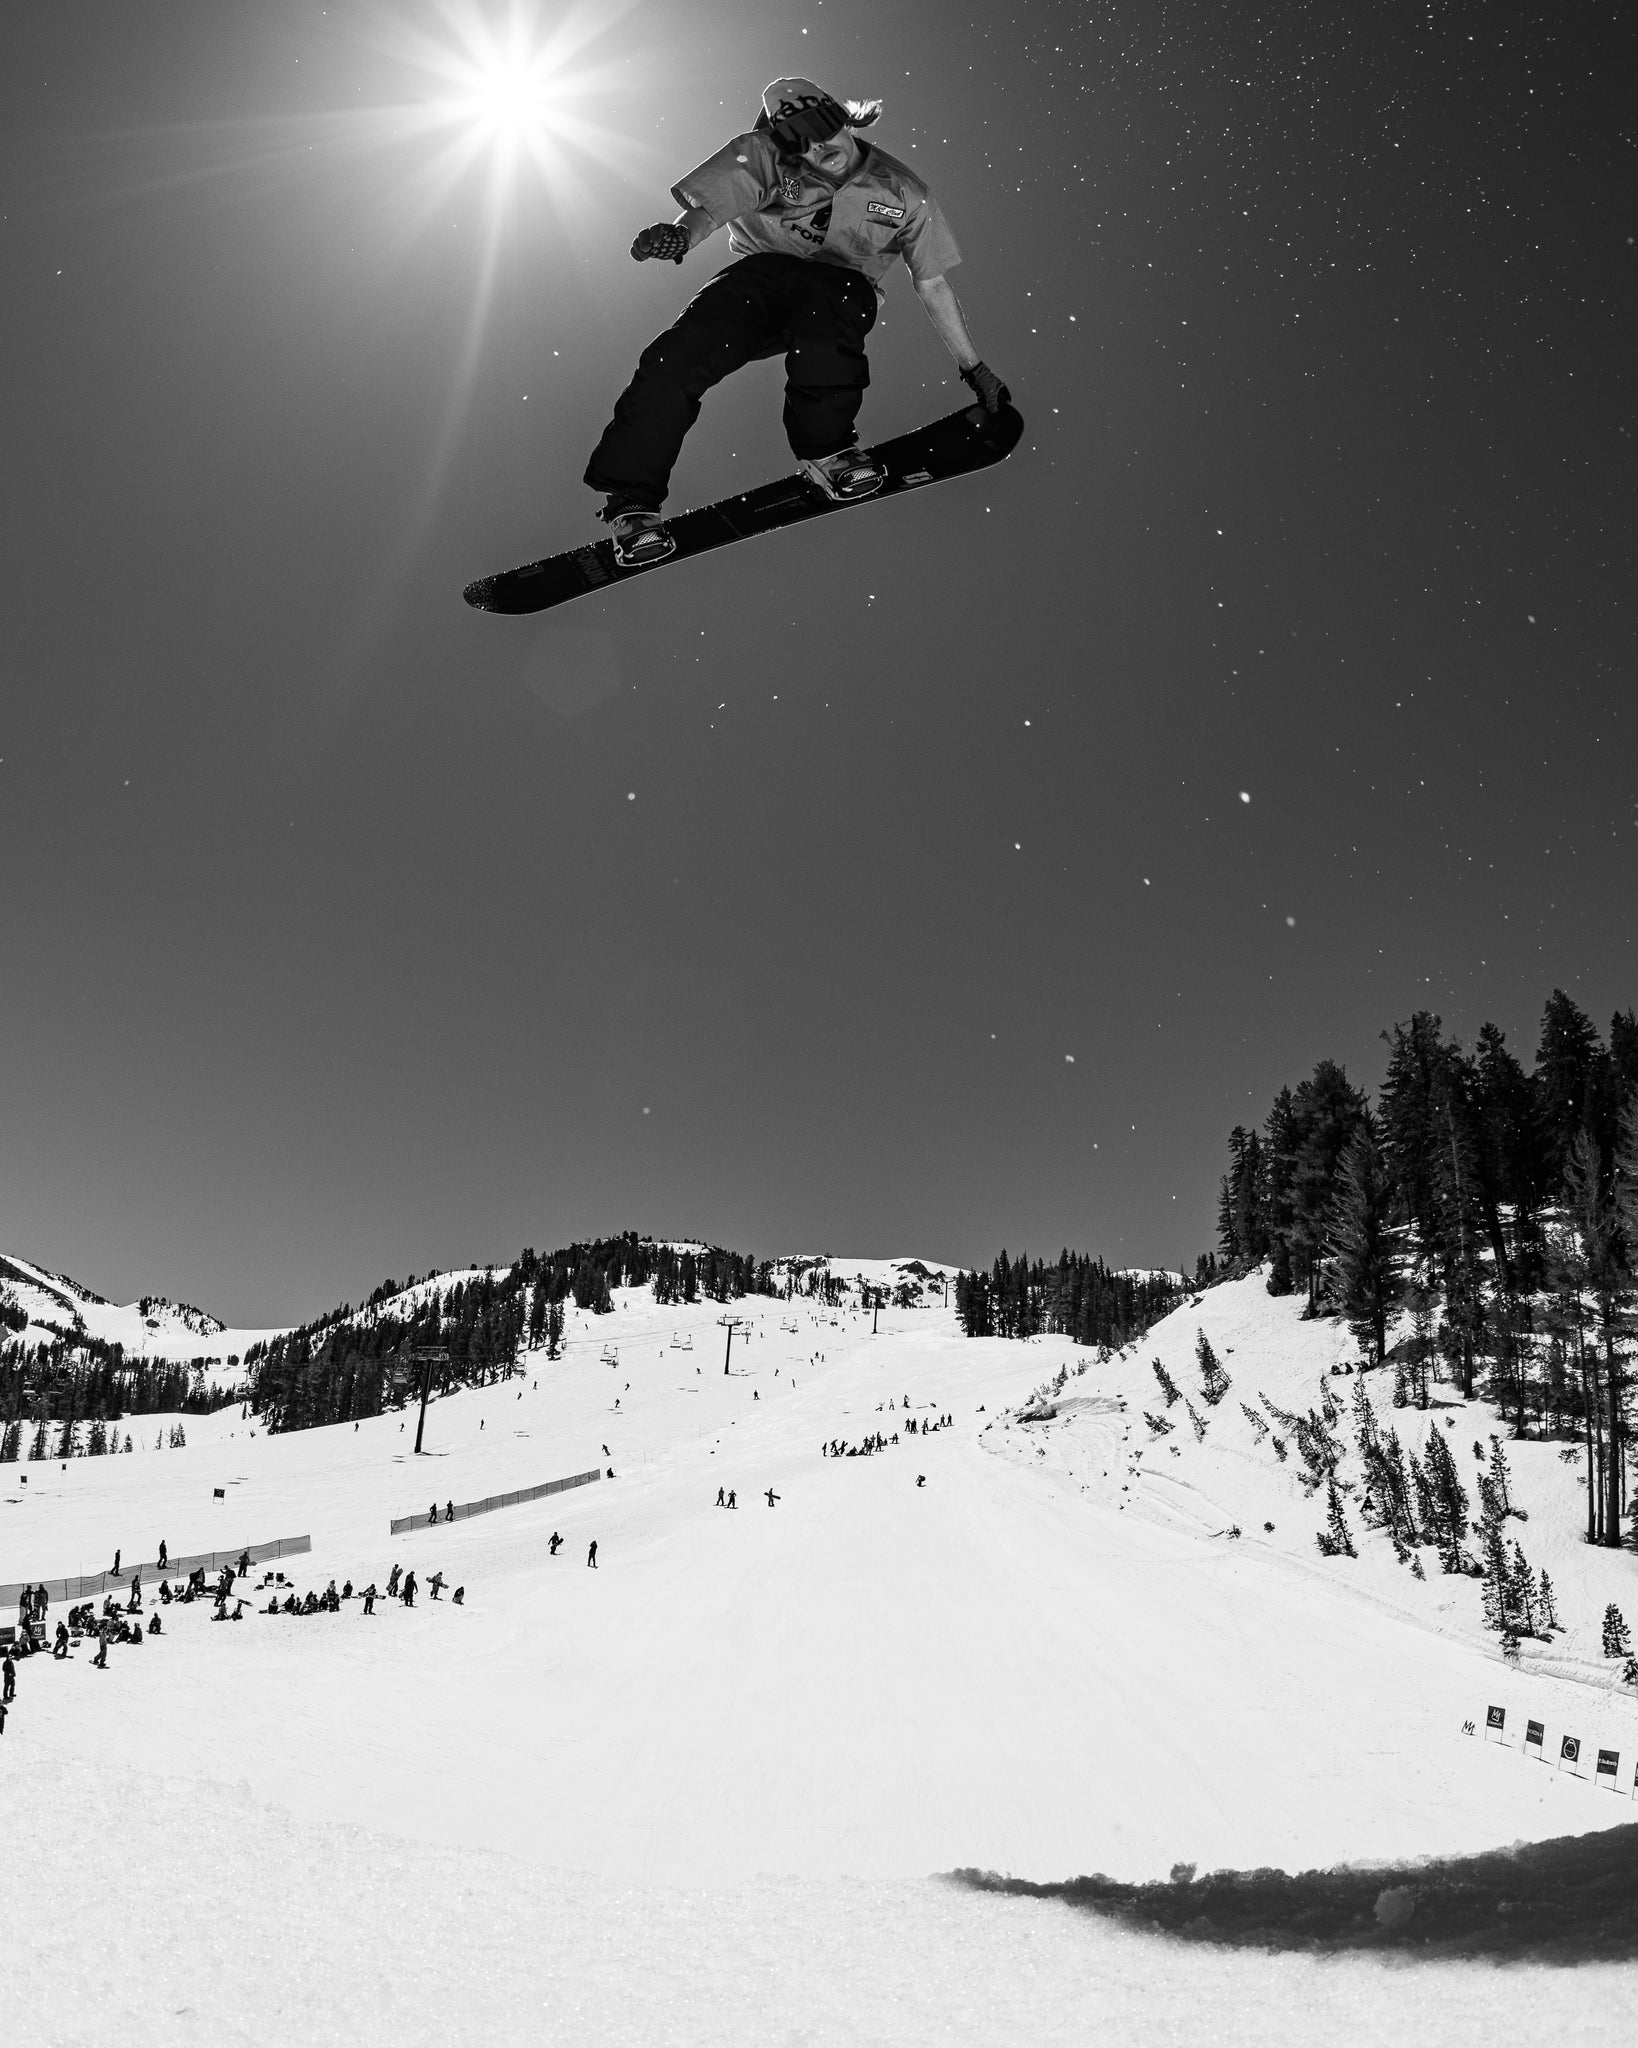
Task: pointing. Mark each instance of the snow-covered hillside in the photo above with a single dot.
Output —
(1024, 1645)
(1224, 1480)
(60, 1308)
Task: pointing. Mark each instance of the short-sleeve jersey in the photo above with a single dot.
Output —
(775, 203)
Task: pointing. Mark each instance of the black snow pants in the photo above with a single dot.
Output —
(814, 314)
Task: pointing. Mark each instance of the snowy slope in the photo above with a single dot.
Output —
(1049, 1658)
(1232, 1478)
(1046, 1593)
(59, 1307)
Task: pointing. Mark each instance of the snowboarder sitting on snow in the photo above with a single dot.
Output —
(817, 218)
(153, 1625)
(458, 1597)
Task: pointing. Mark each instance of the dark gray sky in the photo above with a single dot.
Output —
(347, 931)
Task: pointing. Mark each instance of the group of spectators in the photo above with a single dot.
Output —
(400, 1586)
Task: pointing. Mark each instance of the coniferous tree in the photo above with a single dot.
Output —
(1168, 1386)
(1498, 1605)
(1199, 1425)
(1617, 1642)
(1547, 1604)
(1523, 1591)
(1317, 1123)
(1158, 1424)
(1257, 1423)
(1566, 1060)
(1215, 1382)
(1365, 1283)
(1500, 1478)
(1447, 1509)
(1334, 1540)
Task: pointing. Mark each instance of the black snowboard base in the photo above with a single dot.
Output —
(953, 446)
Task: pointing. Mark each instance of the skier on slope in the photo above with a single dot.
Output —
(817, 218)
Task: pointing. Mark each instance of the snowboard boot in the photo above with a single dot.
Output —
(641, 536)
(849, 473)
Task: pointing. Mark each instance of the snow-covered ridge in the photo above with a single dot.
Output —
(60, 1310)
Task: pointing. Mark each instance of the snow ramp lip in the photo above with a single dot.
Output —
(1570, 1900)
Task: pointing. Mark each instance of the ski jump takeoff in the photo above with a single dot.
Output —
(816, 217)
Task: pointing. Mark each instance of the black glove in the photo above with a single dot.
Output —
(663, 243)
(987, 386)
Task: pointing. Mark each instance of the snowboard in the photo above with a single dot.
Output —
(956, 445)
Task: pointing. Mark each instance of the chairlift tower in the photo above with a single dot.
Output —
(731, 1324)
(426, 1356)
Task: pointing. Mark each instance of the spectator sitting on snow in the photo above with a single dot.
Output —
(347, 1590)
(153, 1625)
(165, 1591)
(458, 1597)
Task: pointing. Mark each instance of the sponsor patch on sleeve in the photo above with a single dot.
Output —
(881, 208)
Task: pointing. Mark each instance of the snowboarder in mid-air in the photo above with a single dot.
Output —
(817, 217)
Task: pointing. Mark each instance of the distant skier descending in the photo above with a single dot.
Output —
(817, 217)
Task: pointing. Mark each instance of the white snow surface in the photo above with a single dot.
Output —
(701, 1793)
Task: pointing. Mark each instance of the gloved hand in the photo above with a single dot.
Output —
(987, 386)
(663, 243)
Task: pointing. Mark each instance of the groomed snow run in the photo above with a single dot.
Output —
(703, 1792)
